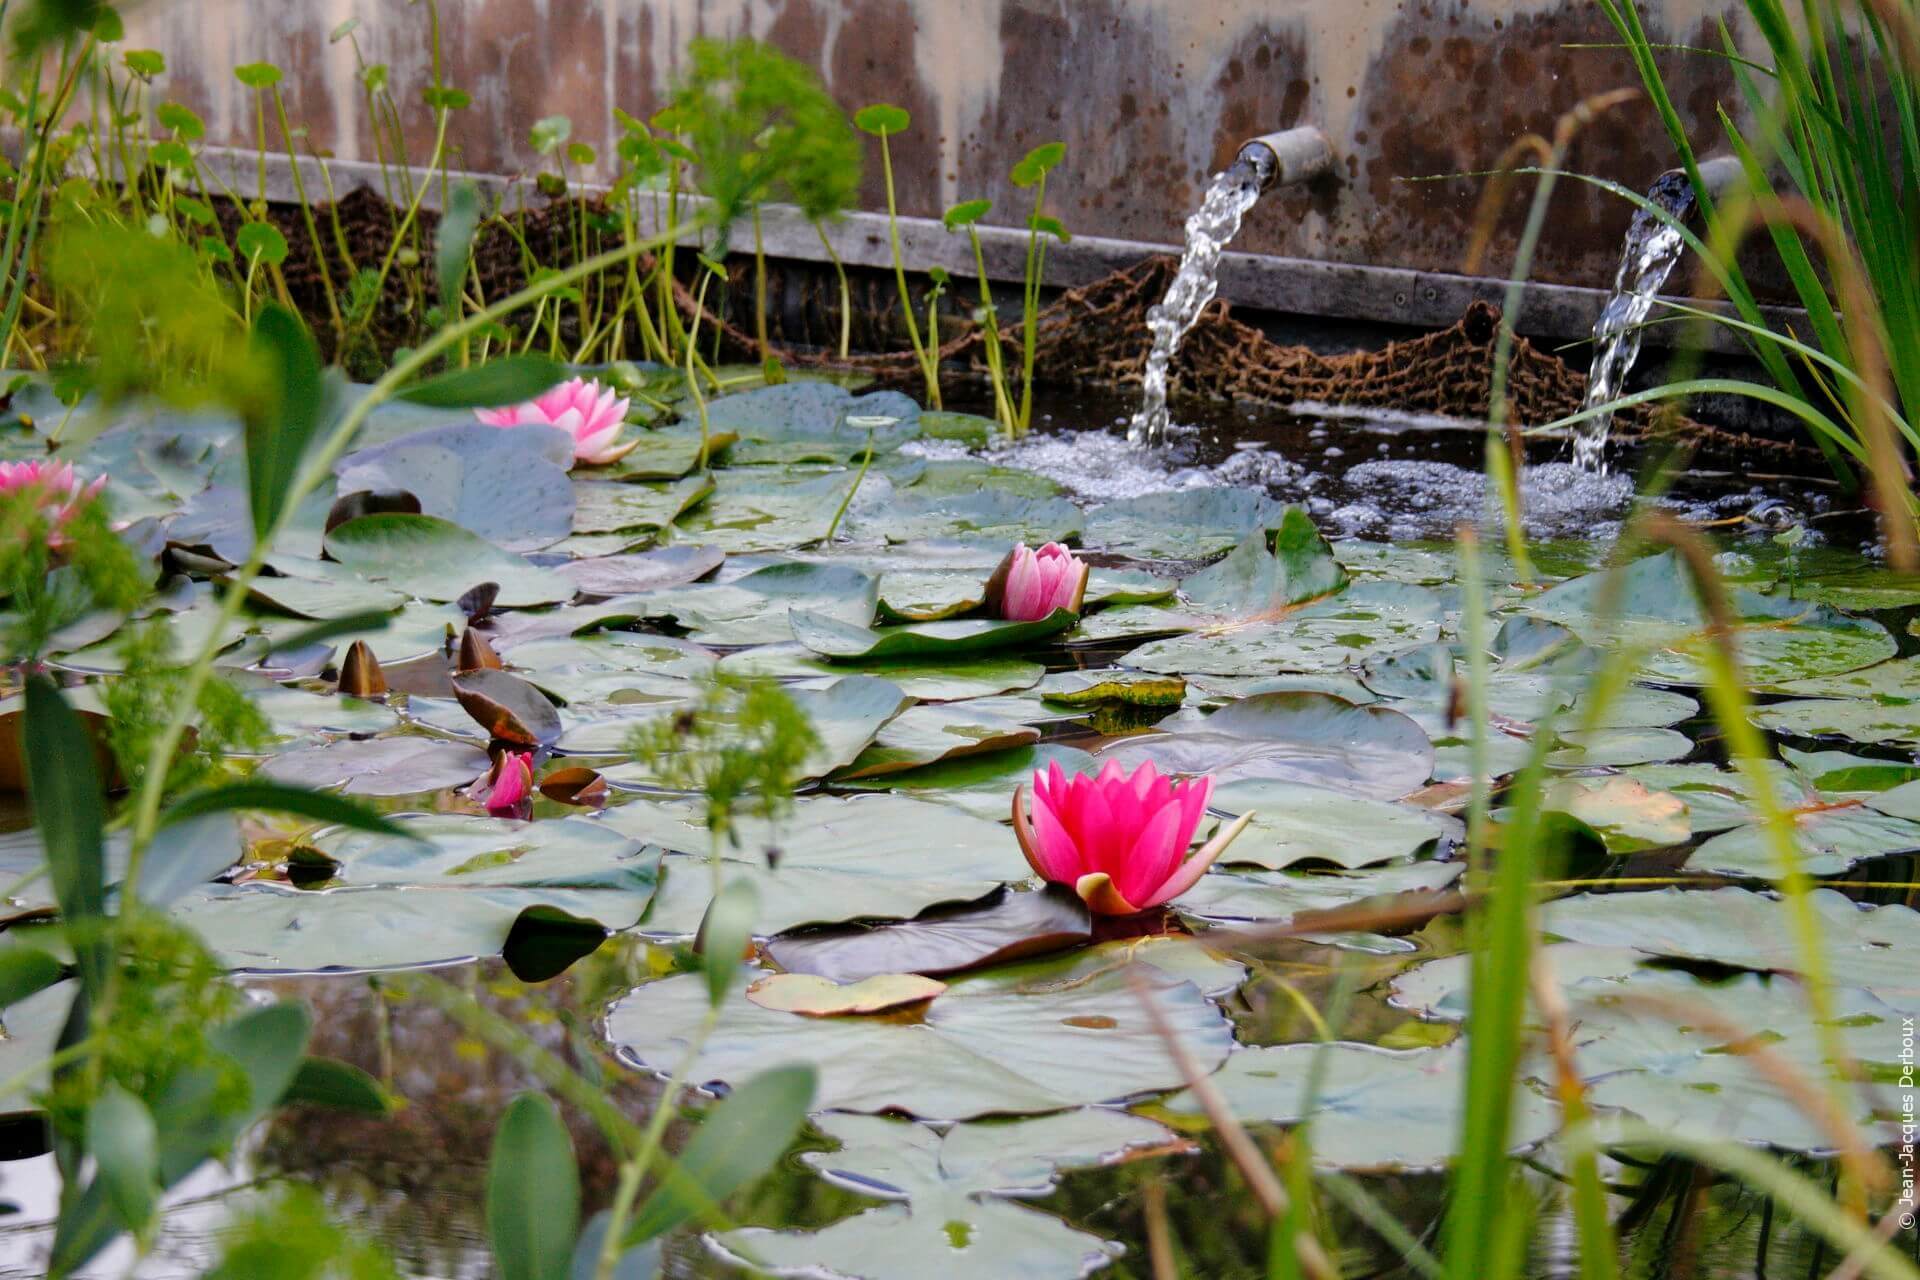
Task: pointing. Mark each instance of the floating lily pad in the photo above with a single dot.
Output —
(1614, 748)
(455, 890)
(1829, 841)
(929, 679)
(1442, 988)
(296, 712)
(754, 609)
(928, 595)
(1283, 895)
(1623, 813)
(1265, 574)
(941, 940)
(988, 515)
(958, 1197)
(438, 560)
(982, 785)
(607, 506)
(1295, 823)
(1113, 684)
(605, 666)
(765, 509)
(929, 734)
(832, 638)
(1326, 635)
(1890, 683)
(1858, 719)
(509, 486)
(856, 858)
(646, 571)
(669, 453)
(1313, 738)
(1877, 948)
(1042, 1036)
(1187, 525)
(1377, 1109)
(1778, 640)
(401, 765)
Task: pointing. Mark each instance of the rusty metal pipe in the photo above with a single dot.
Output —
(1285, 157)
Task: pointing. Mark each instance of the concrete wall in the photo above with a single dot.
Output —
(1149, 95)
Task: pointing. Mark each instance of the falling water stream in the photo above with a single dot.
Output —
(1209, 230)
(1652, 248)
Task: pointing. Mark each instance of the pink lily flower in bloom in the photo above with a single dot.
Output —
(61, 491)
(583, 409)
(1038, 582)
(1120, 842)
(507, 790)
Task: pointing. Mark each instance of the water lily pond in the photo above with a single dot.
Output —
(1002, 1075)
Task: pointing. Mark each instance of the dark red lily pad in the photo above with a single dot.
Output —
(508, 708)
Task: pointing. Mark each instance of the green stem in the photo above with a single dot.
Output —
(929, 365)
(306, 212)
(847, 501)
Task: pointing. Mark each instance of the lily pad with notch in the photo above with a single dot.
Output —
(832, 638)
(943, 940)
(509, 486)
(1046, 1035)
(397, 765)
(438, 560)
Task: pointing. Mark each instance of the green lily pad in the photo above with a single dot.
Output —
(1295, 823)
(1046, 1035)
(845, 716)
(988, 515)
(323, 591)
(1377, 1109)
(1857, 719)
(1891, 683)
(930, 595)
(1877, 948)
(941, 940)
(506, 485)
(929, 734)
(400, 765)
(1326, 635)
(1313, 738)
(668, 454)
(753, 609)
(831, 638)
(646, 571)
(1442, 988)
(456, 890)
(982, 785)
(1614, 748)
(1266, 574)
(765, 509)
(1113, 684)
(1829, 841)
(1777, 639)
(611, 666)
(929, 679)
(608, 506)
(1283, 895)
(1187, 525)
(856, 858)
(807, 411)
(956, 1198)
(438, 560)
(294, 713)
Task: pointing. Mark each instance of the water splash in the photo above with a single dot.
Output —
(1209, 230)
(1652, 248)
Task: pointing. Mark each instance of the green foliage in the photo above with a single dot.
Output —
(1838, 113)
(142, 700)
(533, 1192)
(763, 127)
(281, 426)
(152, 318)
(291, 1237)
(881, 119)
(742, 743)
(169, 993)
(55, 569)
(1037, 163)
(966, 214)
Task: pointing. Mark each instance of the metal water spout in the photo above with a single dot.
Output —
(1283, 158)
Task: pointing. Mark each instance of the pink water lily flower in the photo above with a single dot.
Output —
(61, 492)
(507, 790)
(1120, 842)
(1038, 582)
(583, 409)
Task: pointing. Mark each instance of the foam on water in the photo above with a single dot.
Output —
(1411, 498)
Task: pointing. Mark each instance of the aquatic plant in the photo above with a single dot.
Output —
(1836, 111)
(883, 120)
(581, 407)
(1119, 840)
(1031, 172)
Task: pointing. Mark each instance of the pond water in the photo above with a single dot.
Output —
(1316, 685)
